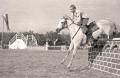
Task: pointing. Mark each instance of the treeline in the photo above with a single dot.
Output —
(41, 38)
(50, 37)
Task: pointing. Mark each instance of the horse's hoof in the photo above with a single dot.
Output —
(62, 62)
(68, 66)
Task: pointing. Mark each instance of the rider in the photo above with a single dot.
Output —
(77, 17)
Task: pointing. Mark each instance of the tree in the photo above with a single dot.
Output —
(51, 37)
(41, 39)
(63, 39)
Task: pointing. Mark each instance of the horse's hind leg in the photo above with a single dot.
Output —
(69, 50)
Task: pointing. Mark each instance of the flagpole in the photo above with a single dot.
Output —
(2, 32)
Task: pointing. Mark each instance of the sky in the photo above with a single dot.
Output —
(43, 15)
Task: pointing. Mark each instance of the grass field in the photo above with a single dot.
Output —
(45, 64)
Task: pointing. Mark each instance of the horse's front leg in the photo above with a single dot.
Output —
(69, 50)
(73, 55)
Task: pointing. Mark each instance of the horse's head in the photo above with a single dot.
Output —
(63, 23)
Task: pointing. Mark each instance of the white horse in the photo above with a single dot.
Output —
(78, 37)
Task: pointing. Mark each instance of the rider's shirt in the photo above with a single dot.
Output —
(78, 16)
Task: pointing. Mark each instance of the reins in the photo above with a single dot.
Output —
(79, 26)
(76, 32)
(75, 24)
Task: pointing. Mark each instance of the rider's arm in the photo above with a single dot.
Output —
(83, 18)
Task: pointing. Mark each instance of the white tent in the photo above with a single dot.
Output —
(18, 42)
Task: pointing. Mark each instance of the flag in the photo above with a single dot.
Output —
(6, 21)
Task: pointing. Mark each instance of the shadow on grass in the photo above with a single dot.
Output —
(80, 69)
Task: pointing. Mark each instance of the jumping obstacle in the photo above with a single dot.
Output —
(106, 59)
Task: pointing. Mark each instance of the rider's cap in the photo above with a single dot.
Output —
(72, 6)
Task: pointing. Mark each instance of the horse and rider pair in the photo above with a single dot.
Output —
(81, 31)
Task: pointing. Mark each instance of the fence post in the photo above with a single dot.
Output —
(46, 46)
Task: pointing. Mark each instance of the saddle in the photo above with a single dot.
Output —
(84, 29)
(93, 26)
